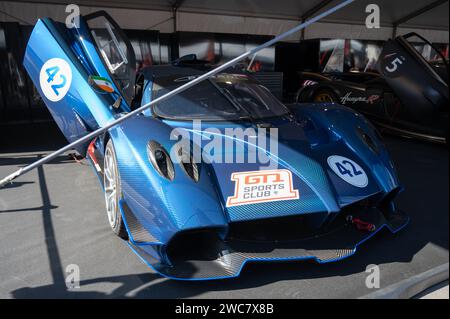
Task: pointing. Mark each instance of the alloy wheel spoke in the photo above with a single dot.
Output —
(111, 195)
(110, 188)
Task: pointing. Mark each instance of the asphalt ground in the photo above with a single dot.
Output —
(54, 217)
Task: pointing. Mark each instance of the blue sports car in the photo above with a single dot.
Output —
(272, 182)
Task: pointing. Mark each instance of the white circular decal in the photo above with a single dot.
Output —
(348, 170)
(55, 79)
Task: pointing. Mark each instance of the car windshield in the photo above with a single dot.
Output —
(224, 97)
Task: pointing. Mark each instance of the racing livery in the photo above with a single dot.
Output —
(331, 187)
(409, 95)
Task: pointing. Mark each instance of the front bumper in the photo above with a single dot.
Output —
(226, 258)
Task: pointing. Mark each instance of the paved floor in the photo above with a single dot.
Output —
(54, 217)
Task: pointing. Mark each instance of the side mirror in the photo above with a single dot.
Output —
(188, 58)
(100, 84)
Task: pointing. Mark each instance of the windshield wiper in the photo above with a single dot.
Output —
(230, 98)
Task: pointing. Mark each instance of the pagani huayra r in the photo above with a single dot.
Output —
(408, 96)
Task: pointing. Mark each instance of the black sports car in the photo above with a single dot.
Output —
(409, 96)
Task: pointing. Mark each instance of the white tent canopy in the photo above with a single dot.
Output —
(427, 17)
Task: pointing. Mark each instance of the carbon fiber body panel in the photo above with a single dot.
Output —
(226, 258)
(137, 233)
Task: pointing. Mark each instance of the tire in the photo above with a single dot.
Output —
(324, 96)
(112, 191)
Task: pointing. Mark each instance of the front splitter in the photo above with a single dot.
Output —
(232, 255)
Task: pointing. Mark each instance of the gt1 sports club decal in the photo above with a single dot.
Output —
(348, 170)
(55, 79)
(262, 186)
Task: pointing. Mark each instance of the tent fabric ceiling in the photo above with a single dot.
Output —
(439, 16)
(390, 10)
(254, 17)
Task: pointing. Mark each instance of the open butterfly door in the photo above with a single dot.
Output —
(421, 89)
(85, 73)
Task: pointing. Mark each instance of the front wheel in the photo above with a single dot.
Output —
(112, 191)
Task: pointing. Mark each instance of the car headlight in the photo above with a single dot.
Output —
(160, 160)
(367, 140)
(188, 164)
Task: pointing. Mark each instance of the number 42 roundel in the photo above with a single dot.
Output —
(348, 170)
(55, 78)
